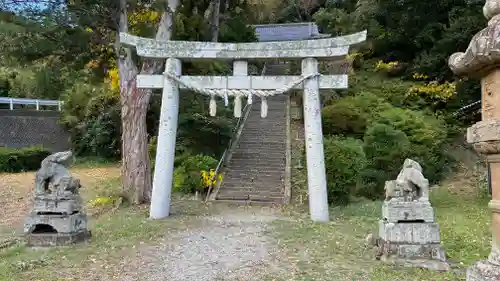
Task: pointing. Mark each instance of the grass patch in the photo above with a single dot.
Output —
(336, 250)
(93, 162)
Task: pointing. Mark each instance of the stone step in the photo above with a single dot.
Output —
(257, 182)
(270, 144)
(267, 145)
(233, 171)
(248, 174)
(258, 157)
(264, 131)
(270, 102)
(246, 192)
(246, 152)
(251, 172)
(263, 135)
(277, 144)
(258, 146)
(269, 120)
(272, 113)
(249, 197)
(273, 116)
(263, 125)
(254, 177)
(258, 168)
(254, 118)
(279, 105)
(238, 184)
(246, 181)
(272, 110)
(260, 150)
(245, 202)
(259, 122)
(256, 165)
(268, 171)
(260, 137)
(256, 103)
(272, 107)
(260, 126)
(257, 189)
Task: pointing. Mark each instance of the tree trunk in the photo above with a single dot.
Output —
(215, 20)
(135, 157)
(136, 171)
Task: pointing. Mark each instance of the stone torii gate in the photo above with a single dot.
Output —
(241, 86)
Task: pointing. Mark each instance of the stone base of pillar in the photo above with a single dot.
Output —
(483, 271)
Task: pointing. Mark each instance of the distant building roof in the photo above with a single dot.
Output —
(288, 31)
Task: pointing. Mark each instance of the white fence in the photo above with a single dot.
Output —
(37, 103)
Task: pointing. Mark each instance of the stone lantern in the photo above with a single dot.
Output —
(482, 60)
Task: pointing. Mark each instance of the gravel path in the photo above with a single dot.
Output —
(233, 246)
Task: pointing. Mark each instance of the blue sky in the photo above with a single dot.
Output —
(36, 4)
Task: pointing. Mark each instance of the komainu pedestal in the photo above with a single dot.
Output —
(408, 232)
(57, 217)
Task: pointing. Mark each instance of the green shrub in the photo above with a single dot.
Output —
(20, 160)
(391, 90)
(344, 161)
(398, 134)
(385, 149)
(344, 119)
(187, 176)
(427, 136)
(350, 115)
(92, 116)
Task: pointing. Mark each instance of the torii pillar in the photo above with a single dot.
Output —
(482, 60)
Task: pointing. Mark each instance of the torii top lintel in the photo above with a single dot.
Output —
(189, 50)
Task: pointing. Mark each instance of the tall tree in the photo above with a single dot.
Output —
(135, 102)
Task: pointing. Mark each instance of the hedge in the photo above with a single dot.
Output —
(20, 160)
(344, 161)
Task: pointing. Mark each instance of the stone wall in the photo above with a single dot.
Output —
(23, 128)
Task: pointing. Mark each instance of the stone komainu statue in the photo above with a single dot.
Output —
(57, 217)
(54, 178)
(409, 185)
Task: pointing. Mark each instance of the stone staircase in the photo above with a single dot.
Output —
(256, 170)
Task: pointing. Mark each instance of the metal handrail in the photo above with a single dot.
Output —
(233, 141)
(36, 102)
(460, 110)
